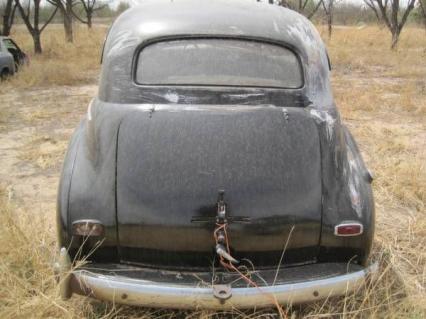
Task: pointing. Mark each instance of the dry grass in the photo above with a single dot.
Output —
(61, 63)
(4, 117)
(382, 98)
(27, 249)
(44, 151)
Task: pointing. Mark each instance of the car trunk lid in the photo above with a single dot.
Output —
(172, 161)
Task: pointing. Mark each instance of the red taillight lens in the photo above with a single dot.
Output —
(348, 229)
(87, 227)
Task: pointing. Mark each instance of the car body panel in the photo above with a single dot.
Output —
(149, 162)
(267, 162)
(91, 192)
(6, 59)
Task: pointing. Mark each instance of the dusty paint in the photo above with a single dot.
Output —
(172, 97)
(162, 152)
(327, 119)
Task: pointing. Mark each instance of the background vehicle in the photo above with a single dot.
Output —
(11, 57)
(214, 138)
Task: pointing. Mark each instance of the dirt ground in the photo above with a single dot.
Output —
(34, 138)
(381, 96)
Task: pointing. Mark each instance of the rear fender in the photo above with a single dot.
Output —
(347, 197)
(64, 186)
(87, 186)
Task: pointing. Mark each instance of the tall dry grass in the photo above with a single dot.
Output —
(382, 98)
(61, 63)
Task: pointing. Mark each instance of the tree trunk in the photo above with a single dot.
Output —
(9, 12)
(423, 11)
(37, 42)
(330, 24)
(68, 27)
(89, 19)
(395, 39)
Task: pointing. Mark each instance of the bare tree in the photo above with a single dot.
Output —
(422, 8)
(34, 28)
(328, 6)
(372, 6)
(66, 8)
(8, 16)
(306, 7)
(89, 7)
(389, 12)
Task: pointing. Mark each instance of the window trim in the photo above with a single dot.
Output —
(149, 42)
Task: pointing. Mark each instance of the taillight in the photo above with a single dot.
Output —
(348, 229)
(87, 227)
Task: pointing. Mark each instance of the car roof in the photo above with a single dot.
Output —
(154, 20)
(238, 18)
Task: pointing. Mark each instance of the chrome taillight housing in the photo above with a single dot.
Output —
(87, 227)
(347, 229)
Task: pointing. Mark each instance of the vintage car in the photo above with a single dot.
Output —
(11, 57)
(212, 170)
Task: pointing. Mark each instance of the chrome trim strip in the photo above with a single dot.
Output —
(129, 291)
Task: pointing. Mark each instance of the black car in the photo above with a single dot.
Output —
(212, 170)
(11, 57)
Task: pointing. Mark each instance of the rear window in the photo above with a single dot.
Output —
(9, 44)
(222, 62)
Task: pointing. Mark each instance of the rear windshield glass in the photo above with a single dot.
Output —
(221, 62)
(9, 44)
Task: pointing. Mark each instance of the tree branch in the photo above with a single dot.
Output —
(12, 15)
(24, 16)
(315, 9)
(100, 7)
(394, 14)
(324, 7)
(78, 18)
(28, 9)
(57, 3)
(372, 6)
(49, 20)
(423, 9)
(84, 4)
(383, 10)
(406, 14)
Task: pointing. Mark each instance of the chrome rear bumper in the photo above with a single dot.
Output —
(142, 292)
(139, 292)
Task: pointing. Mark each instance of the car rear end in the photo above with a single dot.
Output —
(217, 175)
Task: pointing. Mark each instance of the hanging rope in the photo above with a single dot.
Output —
(226, 260)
